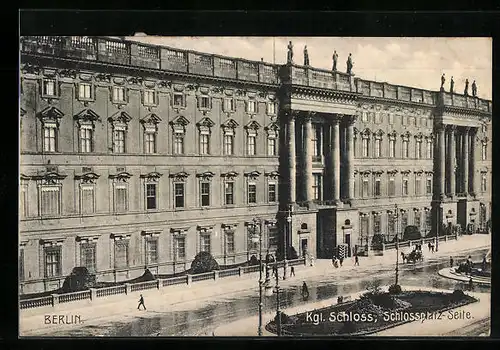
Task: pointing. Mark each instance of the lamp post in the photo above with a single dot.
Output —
(426, 210)
(397, 243)
(278, 313)
(257, 237)
(438, 228)
(288, 232)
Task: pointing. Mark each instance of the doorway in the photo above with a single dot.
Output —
(303, 247)
(347, 240)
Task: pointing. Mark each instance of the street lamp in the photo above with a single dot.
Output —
(397, 242)
(289, 230)
(438, 228)
(257, 238)
(426, 210)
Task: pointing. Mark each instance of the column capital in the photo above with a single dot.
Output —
(466, 129)
(350, 119)
(440, 127)
(309, 115)
(334, 121)
(451, 127)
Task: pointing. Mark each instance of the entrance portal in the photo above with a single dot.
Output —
(347, 240)
(303, 247)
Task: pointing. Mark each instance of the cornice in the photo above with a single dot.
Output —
(392, 102)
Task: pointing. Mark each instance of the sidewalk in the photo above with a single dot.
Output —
(479, 311)
(451, 274)
(182, 297)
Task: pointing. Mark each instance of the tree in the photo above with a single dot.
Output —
(203, 262)
(79, 279)
(411, 233)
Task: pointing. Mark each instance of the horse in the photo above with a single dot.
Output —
(415, 256)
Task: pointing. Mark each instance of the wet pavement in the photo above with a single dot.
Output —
(211, 314)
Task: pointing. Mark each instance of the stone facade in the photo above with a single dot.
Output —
(137, 156)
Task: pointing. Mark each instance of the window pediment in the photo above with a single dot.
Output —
(120, 237)
(120, 117)
(429, 172)
(230, 175)
(51, 113)
(378, 134)
(365, 173)
(392, 172)
(419, 136)
(207, 175)
(419, 172)
(406, 135)
(151, 119)
(366, 133)
(273, 174)
(205, 123)
(87, 115)
(179, 230)
(49, 178)
(179, 121)
(205, 228)
(87, 177)
(230, 124)
(273, 127)
(252, 175)
(405, 172)
(121, 177)
(22, 112)
(180, 176)
(229, 227)
(253, 125)
(377, 172)
(152, 176)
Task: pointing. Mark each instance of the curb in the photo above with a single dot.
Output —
(461, 278)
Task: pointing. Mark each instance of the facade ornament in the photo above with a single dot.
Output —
(67, 73)
(349, 64)
(443, 80)
(230, 175)
(180, 176)
(452, 84)
(474, 89)
(165, 84)
(30, 68)
(466, 89)
(103, 77)
(274, 175)
(289, 59)
(253, 175)
(135, 80)
(306, 56)
(335, 58)
(121, 176)
(152, 176)
(87, 178)
(207, 175)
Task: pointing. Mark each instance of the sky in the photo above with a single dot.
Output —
(417, 62)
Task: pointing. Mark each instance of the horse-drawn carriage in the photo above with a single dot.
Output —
(414, 256)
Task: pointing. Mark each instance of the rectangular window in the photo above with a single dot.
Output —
(52, 262)
(23, 201)
(121, 254)
(229, 105)
(392, 148)
(483, 183)
(317, 186)
(86, 139)
(205, 243)
(391, 190)
(406, 149)
(271, 147)
(417, 219)
(151, 250)
(229, 193)
(273, 237)
(85, 91)
(418, 190)
(87, 200)
(179, 195)
(364, 228)
(404, 221)
(230, 243)
(204, 102)
(418, 150)
(228, 145)
(364, 117)
(252, 193)
(429, 149)
(151, 196)
(391, 119)
(378, 191)
(178, 143)
(378, 148)
(365, 147)
(50, 200)
(149, 97)
(49, 87)
(88, 256)
(21, 264)
(178, 100)
(204, 144)
(483, 151)
(391, 224)
(318, 140)
(271, 108)
(251, 145)
(405, 187)
(49, 138)
(149, 142)
(428, 186)
(252, 106)
(428, 219)
(271, 193)
(121, 198)
(365, 189)
(376, 224)
(180, 248)
(119, 141)
(205, 194)
(118, 94)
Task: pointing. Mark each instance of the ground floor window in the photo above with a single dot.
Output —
(52, 261)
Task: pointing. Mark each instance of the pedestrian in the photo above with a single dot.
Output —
(432, 248)
(429, 246)
(356, 260)
(483, 264)
(141, 302)
(292, 271)
(471, 284)
(451, 261)
(341, 260)
(305, 291)
(312, 260)
(333, 260)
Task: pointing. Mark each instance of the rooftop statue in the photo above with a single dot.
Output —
(306, 56)
(349, 64)
(335, 58)
(466, 90)
(442, 82)
(474, 89)
(452, 84)
(289, 58)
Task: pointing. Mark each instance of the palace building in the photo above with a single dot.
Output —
(136, 155)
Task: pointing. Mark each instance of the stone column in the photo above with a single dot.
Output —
(466, 160)
(452, 155)
(472, 179)
(442, 160)
(308, 151)
(291, 157)
(335, 159)
(350, 156)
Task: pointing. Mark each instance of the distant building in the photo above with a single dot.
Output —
(135, 156)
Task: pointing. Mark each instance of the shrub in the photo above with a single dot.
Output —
(79, 279)
(203, 262)
(395, 289)
(411, 233)
(377, 241)
(457, 295)
(253, 260)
